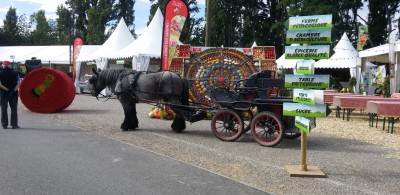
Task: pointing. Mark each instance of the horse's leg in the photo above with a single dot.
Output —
(179, 124)
(127, 111)
(134, 122)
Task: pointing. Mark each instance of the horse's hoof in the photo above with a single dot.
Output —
(134, 128)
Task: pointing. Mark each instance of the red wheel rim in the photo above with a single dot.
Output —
(227, 125)
(267, 129)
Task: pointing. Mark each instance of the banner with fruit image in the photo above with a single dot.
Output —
(176, 12)
(77, 49)
(362, 37)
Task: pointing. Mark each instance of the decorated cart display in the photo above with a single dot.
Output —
(215, 68)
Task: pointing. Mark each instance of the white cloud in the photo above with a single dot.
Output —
(47, 5)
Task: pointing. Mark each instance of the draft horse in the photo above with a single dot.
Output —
(132, 87)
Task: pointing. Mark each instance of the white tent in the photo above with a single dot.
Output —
(345, 56)
(120, 38)
(382, 53)
(147, 46)
(48, 54)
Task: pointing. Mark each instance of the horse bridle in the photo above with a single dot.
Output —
(103, 96)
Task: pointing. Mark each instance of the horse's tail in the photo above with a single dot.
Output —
(185, 92)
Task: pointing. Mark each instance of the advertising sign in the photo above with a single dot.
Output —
(77, 49)
(307, 81)
(307, 52)
(176, 12)
(362, 37)
(315, 22)
(308, 36)
(305, 67)
(305, 110)
(308, 96)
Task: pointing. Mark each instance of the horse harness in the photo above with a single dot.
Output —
(133, 83)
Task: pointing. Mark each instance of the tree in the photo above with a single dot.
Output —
(124, 9)
(63, 25)
(98, 14)
(79, 9)
(381, 13)
(41, 34)
(11, 32)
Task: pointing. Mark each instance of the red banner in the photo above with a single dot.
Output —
(176, 12)
(77, 49)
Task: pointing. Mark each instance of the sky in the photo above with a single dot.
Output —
(27, 7)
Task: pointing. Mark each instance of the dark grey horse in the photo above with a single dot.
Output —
(132, 87)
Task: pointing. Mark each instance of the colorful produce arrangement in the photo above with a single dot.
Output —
(217, 67)
(264, 53)
(162, 112)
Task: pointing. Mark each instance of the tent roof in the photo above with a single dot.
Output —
(379, 53)
(148, 44)
(58, 54)
(120, 38)
(345, 56)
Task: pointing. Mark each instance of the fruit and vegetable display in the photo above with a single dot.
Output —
(216, 67)
(264, 53)
(162, 112)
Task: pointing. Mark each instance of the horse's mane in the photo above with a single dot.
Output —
(109, 77)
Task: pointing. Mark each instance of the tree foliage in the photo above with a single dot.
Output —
(124, 9)
(41, 35)
(234, 23)
(10, 32)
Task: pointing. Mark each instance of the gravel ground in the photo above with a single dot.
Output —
(357, 159)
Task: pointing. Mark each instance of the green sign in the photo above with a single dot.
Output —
(307, 81)
(308, 36)
(314, 22)
(302, 123)
(307, 52)
(305, 110)
(305, 67)
(120, 61)
(308, 96)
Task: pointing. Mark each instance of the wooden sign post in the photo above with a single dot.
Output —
(308, 104)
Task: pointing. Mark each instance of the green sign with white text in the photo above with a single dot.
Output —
(312, 52)
(314, 22)
(305, 67)
(307, 81)
(308, 96)
(304, 110)
(308, 36)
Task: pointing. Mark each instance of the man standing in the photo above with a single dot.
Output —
(9, 84)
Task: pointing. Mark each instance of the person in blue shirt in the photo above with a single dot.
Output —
(9, 84)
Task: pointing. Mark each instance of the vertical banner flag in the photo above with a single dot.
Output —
(176, 12)
(77, 49)
(362, 37)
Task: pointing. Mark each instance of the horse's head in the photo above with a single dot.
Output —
(95, 81)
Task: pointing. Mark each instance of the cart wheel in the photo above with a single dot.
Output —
(291, 131)
(227, 125)
(267, 129)
(247, 117)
